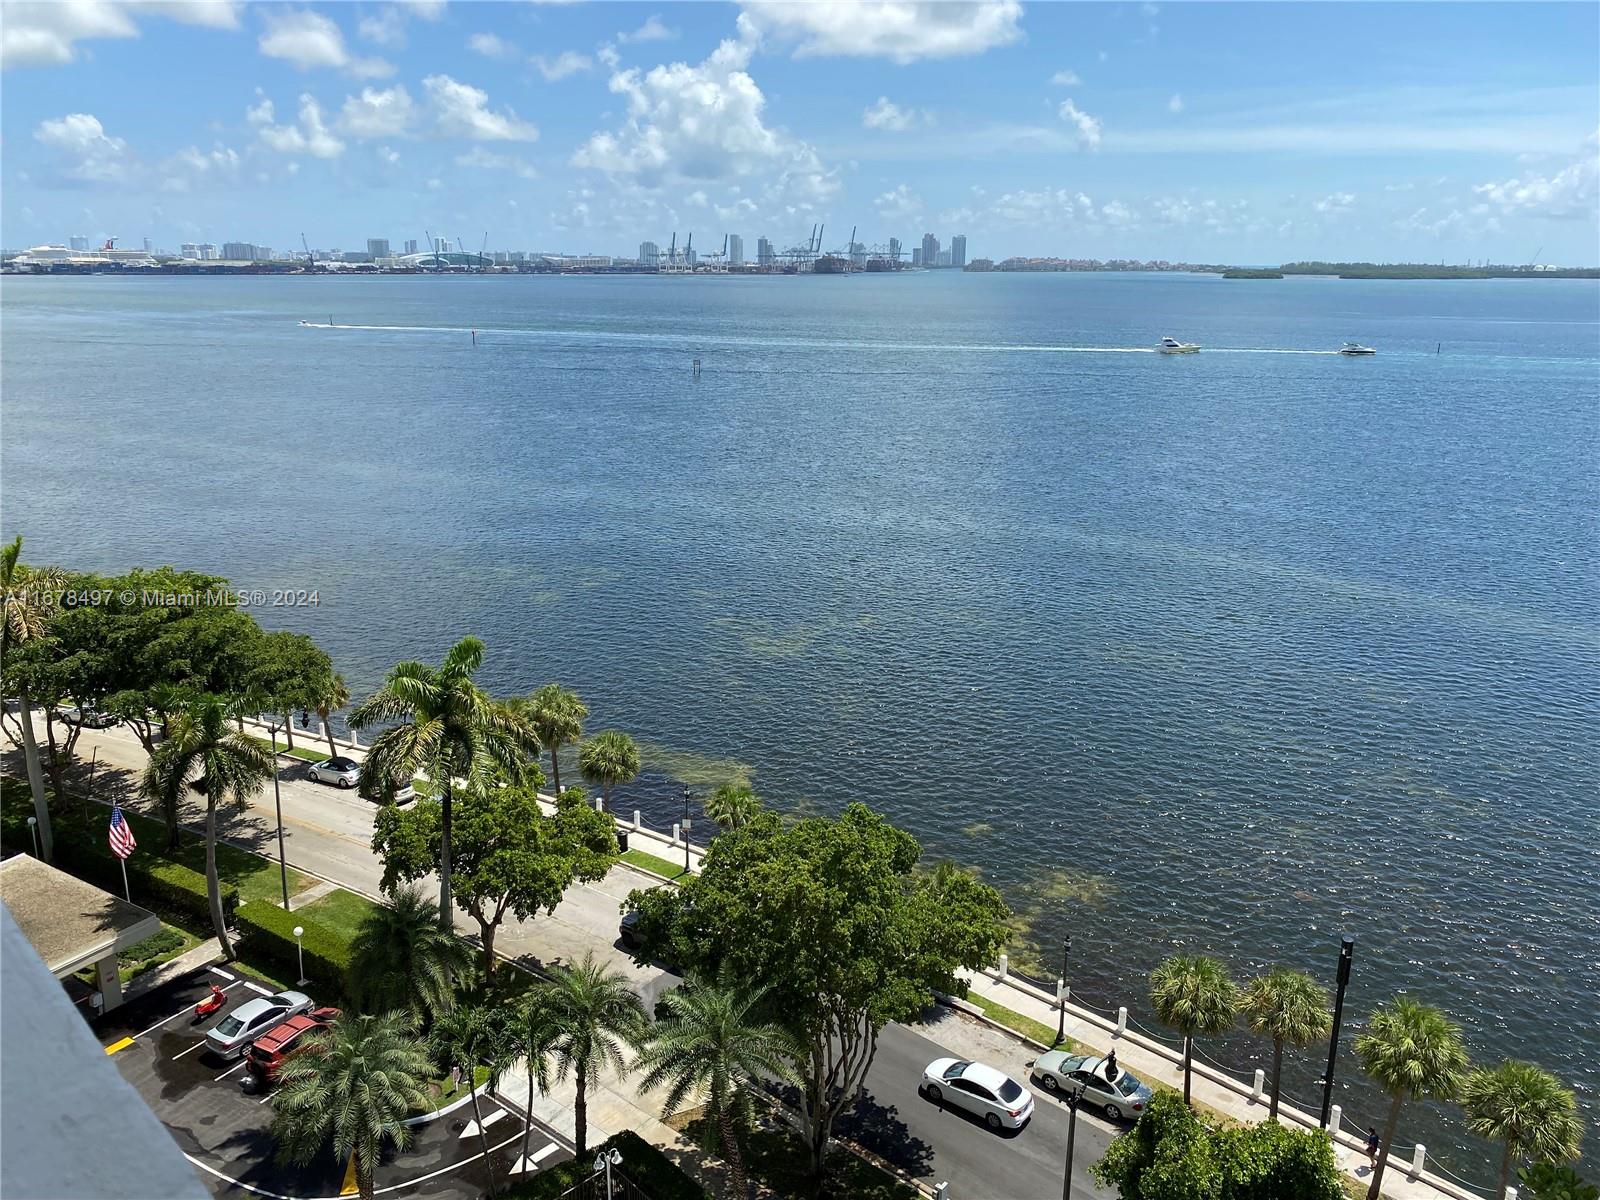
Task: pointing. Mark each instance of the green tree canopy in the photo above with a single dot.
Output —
(1411, 1050)
(1289, 1007)
(556, 714)
(508, 855)
(1193, 994)
(732, 805)
(1530, 1112)
(832, 917)
(1546, 1181)
(400, 960)
(609, 758)
(287, 671)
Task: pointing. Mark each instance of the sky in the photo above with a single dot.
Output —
(1236, 133)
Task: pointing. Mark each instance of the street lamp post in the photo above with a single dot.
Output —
(1061, 995)
(604, 1162)
(1072, 1097)
(277, 802)
(300, 952)
(1347, 946)
(686, 829)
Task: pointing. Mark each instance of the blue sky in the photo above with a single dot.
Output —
(1204, 132)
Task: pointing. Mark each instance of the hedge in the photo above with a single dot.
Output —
(166, 888)
(644, 1164)
(266, 934)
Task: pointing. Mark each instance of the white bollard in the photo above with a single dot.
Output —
(1419, 1156)
(1122, 1021)
(1259, 1086)
(1511, 1192)
(1335, 1115)
(637, 823)
(674, 833)
(942, 1192)
(599, 804)
(1005, 964)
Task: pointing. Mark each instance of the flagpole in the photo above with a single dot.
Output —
(126, 894)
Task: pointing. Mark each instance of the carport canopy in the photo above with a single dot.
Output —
(69, 923)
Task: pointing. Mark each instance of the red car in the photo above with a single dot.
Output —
(269, 1050)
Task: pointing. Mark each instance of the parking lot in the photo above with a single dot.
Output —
(159, 1046)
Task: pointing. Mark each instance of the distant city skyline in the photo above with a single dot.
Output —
(1180, 132)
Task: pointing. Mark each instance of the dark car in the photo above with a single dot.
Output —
(268, 1051)
(628, 928)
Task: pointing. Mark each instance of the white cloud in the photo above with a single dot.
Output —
(492, 46)
(887, 115)
(311, 136)
(193, 167)
(899, 204)
(1571, 193)
(900, 30)
(388, 155)
(308, 39)
(461, 110)
(651, 31)
(607, 54)
(1066, 79)
(46, 33)
(1175, 105)
(486, 160)
(568, 62)
(88, 153)
(375, 113)
(1337, 202)
(388, 26)
(260, 113)
(1088, 128)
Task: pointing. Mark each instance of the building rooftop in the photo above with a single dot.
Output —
(68, 922)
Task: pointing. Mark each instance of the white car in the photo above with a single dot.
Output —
(1000, 1100)
(1121, 1095)
(341, 772)
(233, 1034)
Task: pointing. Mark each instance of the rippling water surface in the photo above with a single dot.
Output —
(1256, 647)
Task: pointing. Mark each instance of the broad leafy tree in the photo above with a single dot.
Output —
(1546, 1181)
(448, 728)
(204, 754)
(733, 805)
(287, 671)
(713, 1041)
(589, 1015)
(400, 960)
(509, 857)
(609, 759)
(1289, 1007)
(470, 1036)
(1193, 995)
(30, 595)
(1411, 1050)
(833, 917)
(353, 1085)
(1530, 1112)
(557, 715)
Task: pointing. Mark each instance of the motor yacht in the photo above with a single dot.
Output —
(1356, 350)
(1174, 346)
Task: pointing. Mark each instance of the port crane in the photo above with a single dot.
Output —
(311, 262)
(717, 260)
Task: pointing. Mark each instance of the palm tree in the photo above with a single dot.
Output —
(470, 1036)
(590, 1014)
(732, 805)
(1412, 1050)
(1288, 1007)
(328, 701)
(556, 715)
(609, 758)
(219, 763)
(401, 959)
(355, 1083)
(712, 1043)
(29, 595)
(1193, 994)
(534, 1034)
(449, 728)
(1527, 1109)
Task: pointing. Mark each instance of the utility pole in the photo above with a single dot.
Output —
(277, 801)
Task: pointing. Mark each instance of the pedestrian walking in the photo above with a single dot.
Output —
(1372, 1146)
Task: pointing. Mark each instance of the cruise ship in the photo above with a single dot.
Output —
(53, 257)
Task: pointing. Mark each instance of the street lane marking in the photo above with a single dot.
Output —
(122, 1045)
(230, 1070)
(350, 1187)
(473, 1128)
(181, 1011)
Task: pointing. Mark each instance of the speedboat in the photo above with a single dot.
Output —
(1356, 349)
(1174, 346)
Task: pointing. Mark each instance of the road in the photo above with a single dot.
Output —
(328, 832)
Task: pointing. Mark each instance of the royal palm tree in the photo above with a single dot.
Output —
(1289, 1007)
(609, 758)
(556, 715)
(1411, 1050)
(30, 596)
(1525, 1108)
(470, 1036)
(401, 960)
(1193, 994)
(220, 764)
(450, 729)
(732, 805)
(590, 1014)
(330, 700)
(712, 1043)
(354, 1084)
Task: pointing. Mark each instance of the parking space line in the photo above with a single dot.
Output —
(220, 971)
(242, 1062)
(122, 1045)
(257, 987)
(179, 1013)
(196, 1046)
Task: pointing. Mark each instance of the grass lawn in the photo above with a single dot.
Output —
(649, 862)
(1038, 1031)
(441, 1093)
(339, 911)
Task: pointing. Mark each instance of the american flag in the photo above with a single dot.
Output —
(121, 834)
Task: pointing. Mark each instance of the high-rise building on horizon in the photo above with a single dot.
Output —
(894, 250)
(930, 250)
(958, 250)
(378, 247)
(764, 256)
(239, 251)
(411, 245)
(649, 254)
(916, 256)
(942, 259)
(78, 241)
(735, 250)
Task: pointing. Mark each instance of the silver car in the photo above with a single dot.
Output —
(341, 772)
(233, 1034)
(1126, 1095)
(1000, 1100)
